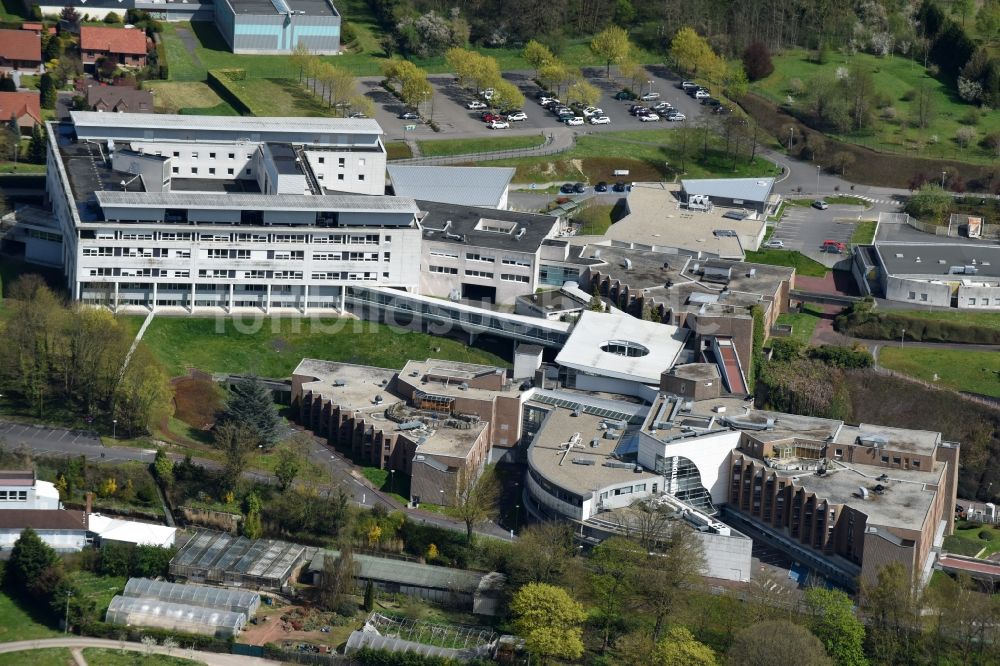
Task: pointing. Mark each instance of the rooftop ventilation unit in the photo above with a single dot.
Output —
(627, 264)
(618, 464)
(520, 234)
(582, 461)
(594, 443)
(410, 425)
(463, 387)
(863, 492)
(877, 441)
(339, 382)
(378, 400)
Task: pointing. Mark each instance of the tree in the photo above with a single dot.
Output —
(930, 204)
(7, 84)
(988, 21)
(142, 394)
(679, 648)
(163, 468)
(963, 8)
(507, 97)
(541, 553)
(837, 627)
(30, 339)
(416, 90)
(776, 642)
(596, 302)
(965, 135)
(251, 404)
(29, 558)
(252, 528)
(923, 106)
(891, 611)
(693, 56)
(842, 160)
(288, 465)
(475, 499)
(47, 91)
(364, 105)
(549, 620)
(301, 57)
(536, 54)
(70, 15)
(672, 564)
(585, 93)
(735, 82)
(236, 441)
(369, 603)
(338, 576)
(614, 564)
(554, 74)
(112, 18)
(757, 61)
(612, 46)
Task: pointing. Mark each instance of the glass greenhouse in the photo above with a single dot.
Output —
(216, 557)
(133, 611)
(219, 598)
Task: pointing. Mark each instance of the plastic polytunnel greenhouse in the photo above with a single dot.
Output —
(220, 598)
(136, 612)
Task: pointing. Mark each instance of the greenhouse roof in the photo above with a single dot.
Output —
(260, 558)
(408, 573)
(153, 612)
(363, 639)
(220, 598)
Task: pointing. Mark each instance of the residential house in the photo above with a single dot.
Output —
(124, 46)
(20, 50)
(24, 106)
(119, 99)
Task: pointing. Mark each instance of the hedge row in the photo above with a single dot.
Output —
(890, 326)
(222, 82)
(135, 634)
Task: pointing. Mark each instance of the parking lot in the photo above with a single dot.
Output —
(449, 112)
(805, 229)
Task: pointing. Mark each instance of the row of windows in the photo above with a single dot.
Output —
(323, 239)
(479, 274)
(13, 495)
(223, 273)
(448, 270)
(510, 277)
(211, 171)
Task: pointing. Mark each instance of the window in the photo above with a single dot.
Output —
(230, 172)
(913, 295)
(443, 269)
(248, 172)
(510, 261)
(341, 162)
(475, 256)
(232, 156)
(885, 459)
(916, 464)
(194, 170)
(340, 176)
(194, 156)
(923, 297)
(321, 160)
(838, 452)
(510, 277)
(361, 176)
(211, 171)
(177, 154)
(211, 156)
(442, 253)
(972, 301)
(175, 169)
(896, 460)
(361, 163)
(479, 274)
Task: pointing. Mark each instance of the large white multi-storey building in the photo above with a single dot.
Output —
(196, 212)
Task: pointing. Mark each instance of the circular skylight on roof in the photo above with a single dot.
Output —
(624, 348)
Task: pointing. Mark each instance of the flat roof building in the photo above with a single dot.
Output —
(22, 489)
(485, 187)
(278, 26)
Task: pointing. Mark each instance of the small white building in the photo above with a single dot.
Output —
(21, 489)
(485, 187)
(65, 531)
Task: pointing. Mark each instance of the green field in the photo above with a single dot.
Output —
(594, 220)
(648, 156)
(893, 78)
(802, 264)
(969, 542)
(803, 323)
(16, 624)
(279, 97)
(100, 589)
(272, 347)
(41, 657)
(864, 233)
(973, 371)
(986, 319)
(446, 147)
(397, 150)
(193, 97)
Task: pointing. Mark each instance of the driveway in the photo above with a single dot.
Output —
(805, 229)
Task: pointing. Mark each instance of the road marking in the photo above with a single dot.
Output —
(63, 435)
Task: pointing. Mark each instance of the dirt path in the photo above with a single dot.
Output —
(78, 656)
(190, 43)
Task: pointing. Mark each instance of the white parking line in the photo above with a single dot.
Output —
(63, 436)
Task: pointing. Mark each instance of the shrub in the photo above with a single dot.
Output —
(112, 18)
(909, 95)
(970, 525)
(842, 357)
(757, 61)
(785, 349)
(987, 535)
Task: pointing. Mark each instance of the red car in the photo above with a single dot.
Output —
(489, 117)
(834, 246)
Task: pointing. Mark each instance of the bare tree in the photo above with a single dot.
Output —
(475, 499)
(338, 576)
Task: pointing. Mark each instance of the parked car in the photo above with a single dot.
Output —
(649, 117)
(722, 109)
(711, 102)
(358, 114)
(408, 115)
(567, 188)
(475, 105)
(601, 187)
(637, 109)
(565, 115)
(676, 117)
(490, 116)
(549, 102)
(687, 85)
(579, 188)
(600, 120)
(662, 106)
(488, 94)
(819, 204)
(592, 111)
(702, 94)
(561, 110)
(620, 186)
(650, 96)
(836, 247)
(573, 121)
(517, 116)
(542, 94)
(625, 96)
(775, 244)
(498, 124)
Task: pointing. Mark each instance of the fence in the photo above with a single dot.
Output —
(549, 147)
(985, 400)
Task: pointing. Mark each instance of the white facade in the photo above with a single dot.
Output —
(709, 453)
(61, 540)
(41, 495)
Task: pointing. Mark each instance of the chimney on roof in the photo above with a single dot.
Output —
(90, 503)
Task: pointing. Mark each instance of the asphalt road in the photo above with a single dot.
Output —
(49, 441)
(805, 229)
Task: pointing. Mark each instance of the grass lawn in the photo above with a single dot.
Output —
(21, 167)
(98, 588)
(594, 220)
(16, 624)
(893, 78)
(649, 156)
(397, 485)
(864, 233)
(278, 97)
(803, 323)
(973, 371)
(969, 541)
(445, 147)
(190, 96)
(272, 347)
(397, 150)
(985, 319)
(793, 259)
(41, 657)
(112, 657)
(12, 10)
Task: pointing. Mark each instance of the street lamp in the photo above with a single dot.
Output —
(114, 428)
(817, 178)
(392, 481)
(943, 174)
(517, 515)
(650, 82)
(69, 593)
(902, 336)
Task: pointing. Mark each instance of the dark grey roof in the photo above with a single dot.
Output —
(284, 159)
(464, 221)
(272, 7)
(467, 186)
(250, 124)
(202, 200)
(937, 259)
(747, 189)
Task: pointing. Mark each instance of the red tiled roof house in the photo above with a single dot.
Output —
(24, 106)
(20, 50)
(126, 47)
